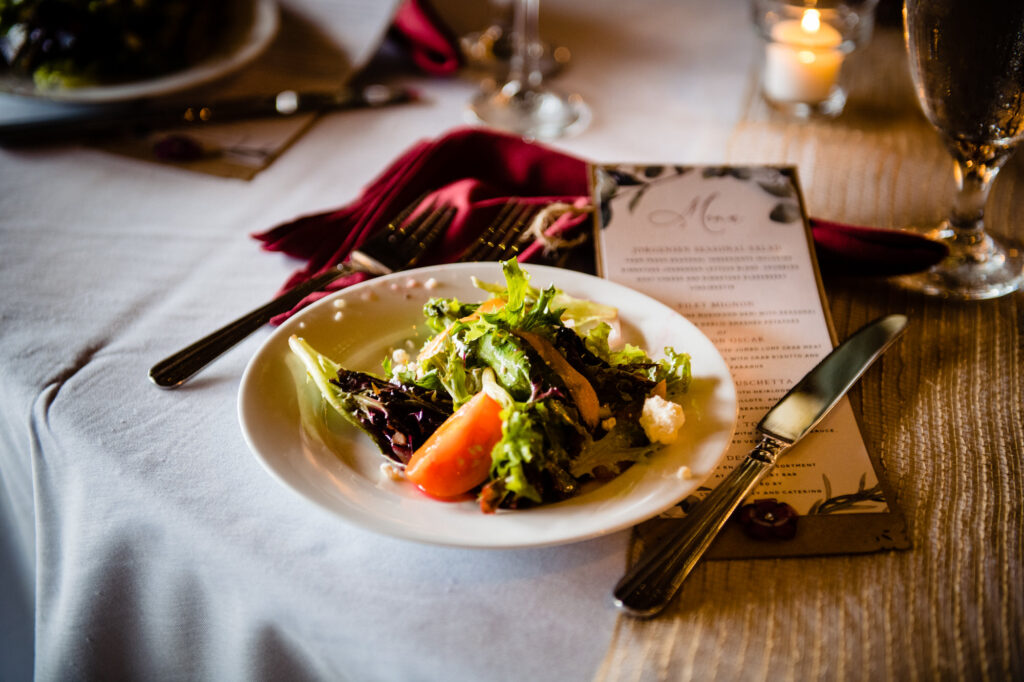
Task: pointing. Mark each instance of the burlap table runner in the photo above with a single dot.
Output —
(944, 410)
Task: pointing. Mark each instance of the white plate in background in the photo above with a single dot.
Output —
(256, 27)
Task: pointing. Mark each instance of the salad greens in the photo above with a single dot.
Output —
(397, 418)
(572, 407)
(71, 43)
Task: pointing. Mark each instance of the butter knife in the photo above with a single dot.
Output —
(104, 121)
(650, 585)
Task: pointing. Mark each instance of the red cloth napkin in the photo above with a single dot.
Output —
(478, 170)
(431, 45)
(472, 169)
(857, 250)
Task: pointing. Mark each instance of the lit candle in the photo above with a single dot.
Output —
(803, 60)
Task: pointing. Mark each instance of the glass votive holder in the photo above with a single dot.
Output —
(805, 45)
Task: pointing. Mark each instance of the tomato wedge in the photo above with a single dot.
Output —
(457, 456)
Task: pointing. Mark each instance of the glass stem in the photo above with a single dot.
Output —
(524, 67)
(974, 183)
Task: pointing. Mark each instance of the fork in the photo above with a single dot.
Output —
(503, 238)
(398, 247)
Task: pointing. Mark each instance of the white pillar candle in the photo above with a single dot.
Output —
(803, 59)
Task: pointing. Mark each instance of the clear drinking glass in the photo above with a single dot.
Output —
(967, 62)
(524, 103)
(806, 43)
(490, 50)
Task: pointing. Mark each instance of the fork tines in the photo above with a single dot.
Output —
(503, 238)
(405, 239)
(412, 237)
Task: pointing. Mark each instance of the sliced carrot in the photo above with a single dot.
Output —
(457, 456)
(583, 394)
(488, 306)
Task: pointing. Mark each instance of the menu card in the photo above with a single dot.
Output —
(730, 249)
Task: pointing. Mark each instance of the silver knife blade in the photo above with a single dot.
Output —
(812, 397)
(652, 582)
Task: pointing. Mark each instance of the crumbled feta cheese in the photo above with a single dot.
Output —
(400, 358)
(661, 419)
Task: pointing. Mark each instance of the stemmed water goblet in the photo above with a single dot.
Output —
(967, 64)
(524, 103)
(490, 50)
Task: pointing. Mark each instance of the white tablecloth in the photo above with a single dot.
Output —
(140, 539)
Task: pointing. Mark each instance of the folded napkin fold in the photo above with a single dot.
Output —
(857, 250)
(477, 171)
(431, 45)
(474, 170)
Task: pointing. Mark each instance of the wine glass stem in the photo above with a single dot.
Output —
(974, 183)
(524, 66)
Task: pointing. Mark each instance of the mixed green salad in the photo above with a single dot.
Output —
(519, 400)
(71, 43)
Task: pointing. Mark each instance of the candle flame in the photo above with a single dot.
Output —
(811, 21)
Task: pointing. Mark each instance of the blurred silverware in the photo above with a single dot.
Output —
(97, 121)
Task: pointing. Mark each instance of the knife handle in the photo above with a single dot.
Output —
(650, 584)
(178, 368)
